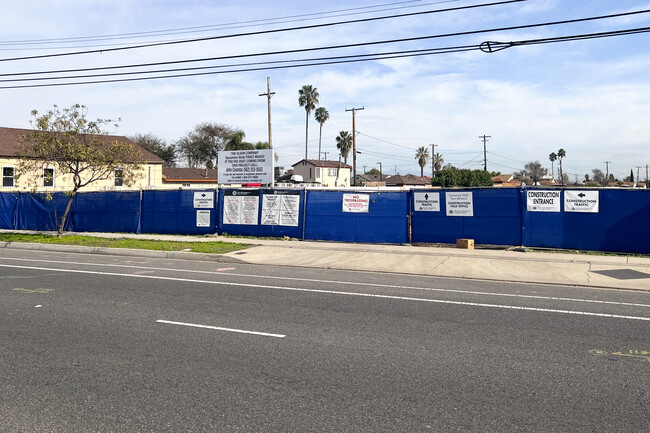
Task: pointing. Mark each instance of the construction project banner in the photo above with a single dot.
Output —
(241, 207)
(245, 166)
(281, 208)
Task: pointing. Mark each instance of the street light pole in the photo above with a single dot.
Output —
(380, 171)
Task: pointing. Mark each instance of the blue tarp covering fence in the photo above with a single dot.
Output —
(489, 216)
(620, 225)
(385, 221)
(496, 218)
(174, 212)
(8, 206)
(113, 212)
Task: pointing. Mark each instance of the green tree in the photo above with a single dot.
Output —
(307, 98)
(438, 160)
(66, 140)
(454, 177)
(157, 146)
(236, 142)
(560, 155)
(422, 155)
(552, 157)
(321, 115)
(534, 170)
(344, 144)
(201, 145)
(373, 171)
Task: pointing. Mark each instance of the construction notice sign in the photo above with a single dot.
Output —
(241, 207)
(204, 199)
(459, 203)
(581, 201)
(246, 166)
(356, 203)
(542, 201)
(426, 201)
(281, 208)
(203, 218)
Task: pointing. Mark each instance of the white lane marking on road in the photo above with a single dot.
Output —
(217, 328)
(334, 292)
(351, 283)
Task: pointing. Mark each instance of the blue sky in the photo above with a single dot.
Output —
(588, 97)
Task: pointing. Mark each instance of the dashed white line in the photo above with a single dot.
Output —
(217, 328)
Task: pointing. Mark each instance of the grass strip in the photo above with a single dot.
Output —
(216, 247)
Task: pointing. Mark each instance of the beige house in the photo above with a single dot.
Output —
(327, 173)
(48, 180)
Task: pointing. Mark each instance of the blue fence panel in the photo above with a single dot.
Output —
(113, 212)
(42, 211)
(618, 226)
(282, 213)
(8, 206)
(239, 212)
(174, 212)
(384, 222)
(496, 217)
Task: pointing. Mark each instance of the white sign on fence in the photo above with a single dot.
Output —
(281, 209)
(356, 203)
(241, 207)
(204, 199)
(543, 200)
(426, 201)
(581, 201)
(203, 218)
(246, 166)
(459, 203)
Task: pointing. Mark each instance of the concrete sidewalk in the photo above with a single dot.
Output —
(620, 272)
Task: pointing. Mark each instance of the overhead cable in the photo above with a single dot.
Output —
(260, 32)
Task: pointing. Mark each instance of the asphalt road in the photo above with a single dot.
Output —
(111, 344)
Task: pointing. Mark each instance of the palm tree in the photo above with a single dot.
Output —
(552, 157)
(561, 154)
(422, 155)
(344, 144)
(308, 98)
(438, 160)
(321, 115)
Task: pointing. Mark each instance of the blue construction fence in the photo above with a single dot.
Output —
(588, 219)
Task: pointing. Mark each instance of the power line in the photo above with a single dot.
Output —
(314, 62)
(260, 32)
(237, 24)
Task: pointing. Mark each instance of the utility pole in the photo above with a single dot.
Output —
(268, 95)
(433, 160)
(607, 172)
(646, 176)
(325, 155)
(354, 143)
(485, 139)
(636, 181)
(380, 175)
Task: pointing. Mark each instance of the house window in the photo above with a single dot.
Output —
(311, 173)
(119, 177)
(7, 176)
(48, 177)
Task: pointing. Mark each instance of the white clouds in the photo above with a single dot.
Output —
(587, 97)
